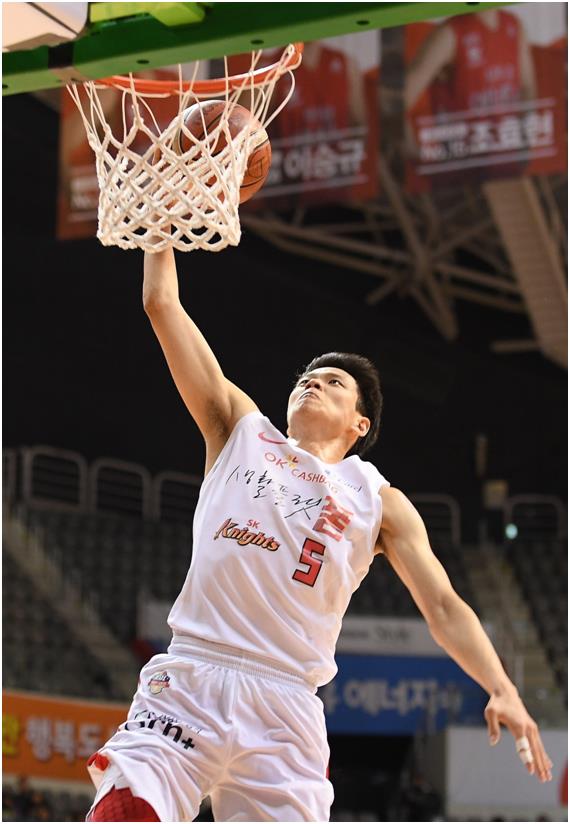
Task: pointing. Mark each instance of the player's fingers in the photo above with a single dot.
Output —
(524, 749)
(493, 726)
(543, 762)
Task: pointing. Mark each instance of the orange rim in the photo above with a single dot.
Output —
(217, 86)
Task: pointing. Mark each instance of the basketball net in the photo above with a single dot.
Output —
(163, 198)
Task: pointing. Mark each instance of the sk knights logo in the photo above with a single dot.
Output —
(159, 682)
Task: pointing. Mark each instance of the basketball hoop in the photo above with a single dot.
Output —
(159, 197)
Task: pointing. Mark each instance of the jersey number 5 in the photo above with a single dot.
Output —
(309, 556)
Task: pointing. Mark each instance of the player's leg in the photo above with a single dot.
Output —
(284, 800)
(149, 784)
(278, 764)
(168, 752)
(122, 805)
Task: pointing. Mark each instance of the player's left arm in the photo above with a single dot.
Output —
(357, 101)
(453, 624)
(526, 67)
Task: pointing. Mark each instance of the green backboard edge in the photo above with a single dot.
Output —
(124, 45)
(171, 14)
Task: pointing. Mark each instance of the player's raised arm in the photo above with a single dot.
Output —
(455, 627)
(437, 51)
(214, 402)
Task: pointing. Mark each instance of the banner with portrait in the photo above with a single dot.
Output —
(485, 96)
(325, 141)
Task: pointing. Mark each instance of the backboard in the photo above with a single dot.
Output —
(94, 40)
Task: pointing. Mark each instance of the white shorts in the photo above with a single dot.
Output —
(220, 724)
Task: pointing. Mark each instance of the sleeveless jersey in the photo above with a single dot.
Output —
(281, 540)
(485, 70)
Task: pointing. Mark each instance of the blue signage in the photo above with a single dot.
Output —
(400, 695)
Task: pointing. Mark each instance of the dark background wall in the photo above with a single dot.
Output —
(83, 371)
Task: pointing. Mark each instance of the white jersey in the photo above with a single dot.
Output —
(281, 540)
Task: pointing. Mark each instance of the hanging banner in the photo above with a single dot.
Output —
(78, 194)
(399, 695)
(325, 141)
(485, 96)
(46, 737)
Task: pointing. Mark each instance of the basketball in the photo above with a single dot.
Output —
(202, 118)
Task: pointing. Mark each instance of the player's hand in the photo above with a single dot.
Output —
(508, 709)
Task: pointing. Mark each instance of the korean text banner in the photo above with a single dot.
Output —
(53, 737)
(485, 96)
(399, 695)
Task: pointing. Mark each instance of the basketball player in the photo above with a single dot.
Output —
(286, 528)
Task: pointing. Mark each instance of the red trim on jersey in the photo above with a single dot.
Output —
(122, 805)
(100, 762)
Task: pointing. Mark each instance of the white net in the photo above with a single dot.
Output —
(164, 196)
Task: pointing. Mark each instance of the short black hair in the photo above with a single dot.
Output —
(370, 398)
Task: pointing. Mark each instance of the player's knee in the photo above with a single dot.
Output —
(122, 805)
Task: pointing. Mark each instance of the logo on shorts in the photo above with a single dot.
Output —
(159, 682)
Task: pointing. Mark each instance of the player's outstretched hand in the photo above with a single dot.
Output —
(508, 709)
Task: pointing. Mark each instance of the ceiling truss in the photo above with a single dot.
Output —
(412, 244)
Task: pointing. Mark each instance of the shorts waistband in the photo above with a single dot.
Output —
(233, 658)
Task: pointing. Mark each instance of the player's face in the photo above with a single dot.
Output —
(326, 395)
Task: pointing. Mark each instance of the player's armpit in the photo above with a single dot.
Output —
(240, 404)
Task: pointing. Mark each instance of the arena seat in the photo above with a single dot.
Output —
(112, 558)
(382, 592)
(541, 567)
(40, 652)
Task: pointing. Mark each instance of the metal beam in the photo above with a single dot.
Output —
(432, 313)
(326, 255)
(477, 249)
(483, 299)
(439, 308)
(458, 238)
(378, 294)
(481, 278)
(509, 346)
(372, 250)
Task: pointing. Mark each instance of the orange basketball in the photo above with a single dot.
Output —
(202, 118)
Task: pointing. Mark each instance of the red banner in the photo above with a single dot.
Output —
(53, 737)
(485, 96)
(325, 141)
